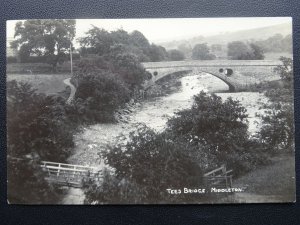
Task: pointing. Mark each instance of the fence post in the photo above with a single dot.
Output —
(58, 170)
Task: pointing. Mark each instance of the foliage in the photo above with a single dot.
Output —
(106, 82)
(202, 52)
(99, 41)
(220, 129)
(98, 95)
(113, 190)
(199, 139)
(257, 51)
(277, 43)
(26, 184)
(38, 129)
(166, 164)
(49, 38)
(186, 49)
(277, 132)
(157, 53)
(175, 55)
(24, 52)
(238, 50)
(286, 71)
(127, 66)
(36, 123)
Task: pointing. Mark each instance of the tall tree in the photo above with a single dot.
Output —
(50, 38)
(175, 55)
(139, 40)
(202, 52)
(238, 50)
(242, 51)
(257, 51)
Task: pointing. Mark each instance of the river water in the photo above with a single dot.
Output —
(154, 113)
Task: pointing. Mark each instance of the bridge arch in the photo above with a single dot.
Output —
(237, 74)
(156, 75)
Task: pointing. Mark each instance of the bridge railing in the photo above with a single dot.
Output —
(68, 174)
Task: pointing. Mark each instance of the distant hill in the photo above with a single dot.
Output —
(243, 35)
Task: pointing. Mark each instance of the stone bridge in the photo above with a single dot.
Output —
(237, 74)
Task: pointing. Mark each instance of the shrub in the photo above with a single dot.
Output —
(127, 66)
(154, 162)
(277, 132)
(37, 129)
(26, 183)
(220, 128)
(98, 95)
(37, 123)
(113, 190)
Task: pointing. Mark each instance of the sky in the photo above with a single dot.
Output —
(160, 30)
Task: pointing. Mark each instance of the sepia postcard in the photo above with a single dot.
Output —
(150, 111)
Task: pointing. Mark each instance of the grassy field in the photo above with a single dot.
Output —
(44, 83)
(275, 56)
(271, 183)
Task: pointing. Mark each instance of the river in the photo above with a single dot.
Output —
(92, 140)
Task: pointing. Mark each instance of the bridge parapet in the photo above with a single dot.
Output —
(237, 74)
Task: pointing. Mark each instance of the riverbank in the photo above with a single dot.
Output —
(153, 112)
(271, 183)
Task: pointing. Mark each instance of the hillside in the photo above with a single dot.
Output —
(224, 38)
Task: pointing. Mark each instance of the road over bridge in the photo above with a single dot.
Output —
(237, 74)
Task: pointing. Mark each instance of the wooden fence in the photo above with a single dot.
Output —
(219, 177)
(68, 174)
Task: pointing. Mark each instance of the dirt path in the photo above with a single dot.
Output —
(73, 90)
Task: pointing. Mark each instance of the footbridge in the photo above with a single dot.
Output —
(237, 74)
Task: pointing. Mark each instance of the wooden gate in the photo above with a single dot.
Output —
(219, 178)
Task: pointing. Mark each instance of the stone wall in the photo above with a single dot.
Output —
(245, 72)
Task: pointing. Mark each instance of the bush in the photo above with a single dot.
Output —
(112, 190)
(220, 128)
(37, 129)
(37, 123)
(154, 162)
(26, 183)
(277, 131)
(98, 95)
(127, 66)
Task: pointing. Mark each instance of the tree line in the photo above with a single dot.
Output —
(50, 41)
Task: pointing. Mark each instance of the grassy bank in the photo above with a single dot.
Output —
(272, 183)
(43, 83)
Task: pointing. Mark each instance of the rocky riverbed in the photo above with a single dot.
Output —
(93, 140)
